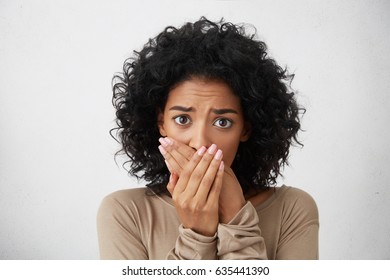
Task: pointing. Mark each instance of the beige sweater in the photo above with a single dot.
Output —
(134, 224)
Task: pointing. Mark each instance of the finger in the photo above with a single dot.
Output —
(200, 171)
(184, 150)
(180, 152)
(209, 177)
(187, 172)
(171, 163)
(176, 163)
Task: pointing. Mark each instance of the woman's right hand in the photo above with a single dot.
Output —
(231, 200)
(196, 191)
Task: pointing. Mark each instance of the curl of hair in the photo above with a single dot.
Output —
(213, 51)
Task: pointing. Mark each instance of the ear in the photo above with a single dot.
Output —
(160, 123)
(246, 132)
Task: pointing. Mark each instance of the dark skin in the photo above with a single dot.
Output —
(179, 154)
(204, 123)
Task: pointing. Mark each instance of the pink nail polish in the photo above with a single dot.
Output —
(218, 155)
(169, 141)
(163, 142)
(201, 151)
(162, 150)
(221, 166)
(212, 149)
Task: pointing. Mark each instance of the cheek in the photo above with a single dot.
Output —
(179, 137)
(229, 143)
(175, 133)
(229, 153)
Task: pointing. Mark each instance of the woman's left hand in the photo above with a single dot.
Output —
(231, 198)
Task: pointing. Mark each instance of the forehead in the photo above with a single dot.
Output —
(201, 92)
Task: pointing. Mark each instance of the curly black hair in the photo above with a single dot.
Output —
(213, 51)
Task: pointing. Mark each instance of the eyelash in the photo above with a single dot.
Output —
(230, 123)
(181, 116)
(188, 121)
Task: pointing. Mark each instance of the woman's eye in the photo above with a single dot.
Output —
(223, 123)
(182, 120)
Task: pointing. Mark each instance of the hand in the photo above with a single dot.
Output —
(196, 192)
(231, 200)
(176, 154)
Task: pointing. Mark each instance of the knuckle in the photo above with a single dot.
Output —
(215, 164)
(175, 198)
(207, 181)
(182, 163)
(197, 206)
(184, 204)
(186, 172)
(195, 159)
(206, 157)
(188, 154)
(167, 156)
(196, 176)
(207, 208)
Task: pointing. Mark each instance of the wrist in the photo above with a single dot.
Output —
(226, 214)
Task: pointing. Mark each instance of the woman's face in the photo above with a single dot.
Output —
(203, 112)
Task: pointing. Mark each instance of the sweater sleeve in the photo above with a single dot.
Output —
(193, 246)
(118, 240)
(120, 235)
(241, 238)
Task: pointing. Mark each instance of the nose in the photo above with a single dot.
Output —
(200, 137)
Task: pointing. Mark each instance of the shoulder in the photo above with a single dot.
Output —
(122, 201)
(132, 202)
(295, 194)
(298, 202)
(126, 195)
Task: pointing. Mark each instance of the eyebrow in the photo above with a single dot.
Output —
(181, 108)
(224, 111)
(215, 111)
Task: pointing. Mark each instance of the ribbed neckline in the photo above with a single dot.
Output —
(278, 191)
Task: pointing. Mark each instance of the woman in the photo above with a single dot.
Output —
(207, 119)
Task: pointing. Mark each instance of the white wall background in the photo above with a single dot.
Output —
(57, 59)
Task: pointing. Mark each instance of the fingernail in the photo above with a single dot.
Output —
(201, 151)
(169, 141)
(162, 150)
(163, 142)
(221, 166)
(218, 155)
(212, 149)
